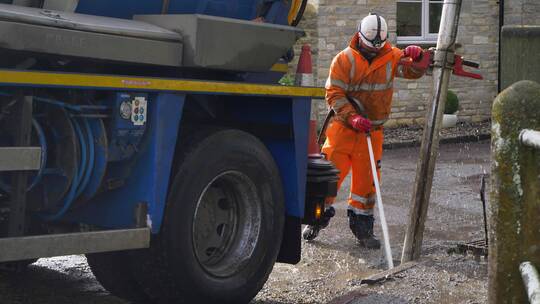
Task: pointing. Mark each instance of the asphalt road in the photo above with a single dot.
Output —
(332, 266)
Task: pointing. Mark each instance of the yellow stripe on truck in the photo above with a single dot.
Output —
(9, 77)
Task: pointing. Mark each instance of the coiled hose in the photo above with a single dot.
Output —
(82, 172)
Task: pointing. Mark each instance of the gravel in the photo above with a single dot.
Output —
(332, 266)
(438, 278)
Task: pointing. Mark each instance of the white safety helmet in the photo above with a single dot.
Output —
(373, 31)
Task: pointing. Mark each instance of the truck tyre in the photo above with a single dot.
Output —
(113, 272)
(223, 224)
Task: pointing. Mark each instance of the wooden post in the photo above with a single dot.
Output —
(444, 55)
(515, 195)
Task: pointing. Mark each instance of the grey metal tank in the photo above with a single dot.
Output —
(194, 41)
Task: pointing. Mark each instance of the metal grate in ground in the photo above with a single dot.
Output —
(477, 248)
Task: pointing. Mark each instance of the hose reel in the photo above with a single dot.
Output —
(73, 142)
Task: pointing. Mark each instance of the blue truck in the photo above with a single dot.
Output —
(153, 137)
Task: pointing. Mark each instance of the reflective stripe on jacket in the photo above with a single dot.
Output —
(370, 86)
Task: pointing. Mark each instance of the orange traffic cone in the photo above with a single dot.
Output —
(304, 78)
(304, 71)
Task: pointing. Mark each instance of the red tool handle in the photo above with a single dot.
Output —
(458, 68)
(426, 61)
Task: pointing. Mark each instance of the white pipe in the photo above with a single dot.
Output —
(386, 237)
(530, 138)
(531, 281)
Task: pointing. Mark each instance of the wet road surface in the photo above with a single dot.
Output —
(332, 265)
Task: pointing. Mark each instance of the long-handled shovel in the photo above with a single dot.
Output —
(384, 225)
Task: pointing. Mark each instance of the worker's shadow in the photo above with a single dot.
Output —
(40, 285)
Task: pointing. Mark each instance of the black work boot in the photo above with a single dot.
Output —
(362, 227)
(312, 231)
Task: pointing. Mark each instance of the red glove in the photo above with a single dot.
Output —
(360, 123)
(414, 52)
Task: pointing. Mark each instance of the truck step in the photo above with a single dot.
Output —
(33, 247)
(20, 158)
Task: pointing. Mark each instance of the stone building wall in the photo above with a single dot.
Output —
(331, 23)
(478, 37)
(521, 12)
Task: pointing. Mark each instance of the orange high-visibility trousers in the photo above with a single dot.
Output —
(346, 149)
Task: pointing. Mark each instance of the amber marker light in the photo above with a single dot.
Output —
(318, 212)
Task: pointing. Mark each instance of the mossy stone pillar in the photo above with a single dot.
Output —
(515, 200)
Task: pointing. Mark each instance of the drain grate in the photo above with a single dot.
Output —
(476, 248)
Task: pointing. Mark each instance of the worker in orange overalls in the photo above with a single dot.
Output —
(362, 74)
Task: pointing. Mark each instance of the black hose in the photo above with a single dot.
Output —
(322, 134)
(330, 115)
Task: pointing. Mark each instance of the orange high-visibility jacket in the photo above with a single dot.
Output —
(370, 86)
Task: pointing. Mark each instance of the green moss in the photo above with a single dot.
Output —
(452, 103)
(287, 80)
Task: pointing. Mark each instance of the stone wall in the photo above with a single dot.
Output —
(477, 41)
(521, 12)
(331, 23)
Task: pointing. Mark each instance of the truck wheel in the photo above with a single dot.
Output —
(223, 224)
(113, 272)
